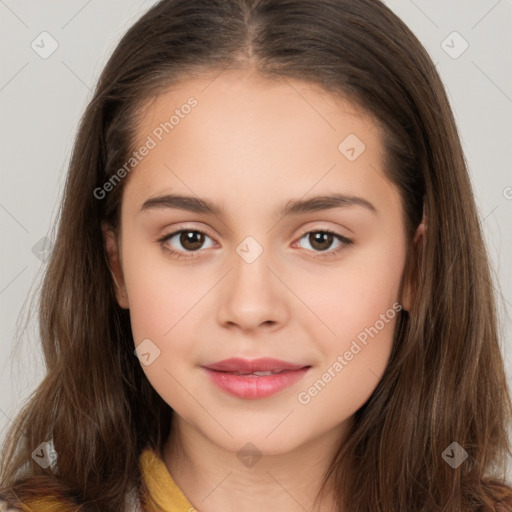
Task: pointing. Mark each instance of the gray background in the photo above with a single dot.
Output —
(42, 99)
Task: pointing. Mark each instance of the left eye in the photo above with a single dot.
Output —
(322, 240)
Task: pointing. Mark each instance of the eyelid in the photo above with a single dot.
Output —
(317, 229)
(179, 228)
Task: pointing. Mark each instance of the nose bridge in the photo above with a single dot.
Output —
(251, 294)
(252, 280)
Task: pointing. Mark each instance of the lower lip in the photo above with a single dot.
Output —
(253, 387)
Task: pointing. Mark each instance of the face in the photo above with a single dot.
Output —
(270, 270)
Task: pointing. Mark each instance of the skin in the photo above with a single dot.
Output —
(252, 145)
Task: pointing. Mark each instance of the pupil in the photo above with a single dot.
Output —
(321, 241)
(191, 240)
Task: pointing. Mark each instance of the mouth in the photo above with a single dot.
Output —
(255, 374)
(260, 365)
(256, 379)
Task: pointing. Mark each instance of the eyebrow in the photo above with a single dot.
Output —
(292, 207)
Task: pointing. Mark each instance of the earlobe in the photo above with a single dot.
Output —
(114, 264)
(411, 277)
(419, 236)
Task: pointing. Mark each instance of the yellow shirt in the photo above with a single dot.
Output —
(162, 488)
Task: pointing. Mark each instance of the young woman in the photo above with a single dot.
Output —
(269, 287)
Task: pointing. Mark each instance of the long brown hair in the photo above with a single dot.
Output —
(445, 381)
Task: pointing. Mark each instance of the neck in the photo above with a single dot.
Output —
(217, 479)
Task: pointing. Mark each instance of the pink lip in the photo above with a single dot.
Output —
(237, 364)
(253, 386)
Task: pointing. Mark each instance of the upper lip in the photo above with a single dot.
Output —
(237, 364)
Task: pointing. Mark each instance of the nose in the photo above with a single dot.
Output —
(251, 296)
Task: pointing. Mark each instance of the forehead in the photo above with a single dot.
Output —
(248, 135)
(246, 100)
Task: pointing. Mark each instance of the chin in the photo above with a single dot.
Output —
(257, 439)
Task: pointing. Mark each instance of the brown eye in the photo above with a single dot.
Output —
(184, 241)
(321, 240)
(191, 240)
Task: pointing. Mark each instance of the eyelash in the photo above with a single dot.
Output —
(180, 255)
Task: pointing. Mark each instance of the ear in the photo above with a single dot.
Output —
(410, 277)
(113, 254)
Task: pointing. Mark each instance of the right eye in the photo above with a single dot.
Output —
(191, 240)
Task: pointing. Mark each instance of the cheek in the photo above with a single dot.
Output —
(160, 292)
(360, 303)
(354, 357)
(361, 291)
(161, 300)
